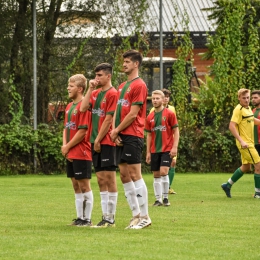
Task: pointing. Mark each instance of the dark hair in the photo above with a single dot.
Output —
(166, 92)
(134, 56)
(255, 92)
(106, 67)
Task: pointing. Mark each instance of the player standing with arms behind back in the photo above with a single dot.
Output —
(103, 103)
(77, 151)
(128, 134)
(162, 130)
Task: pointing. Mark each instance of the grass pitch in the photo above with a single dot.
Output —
(201, 222)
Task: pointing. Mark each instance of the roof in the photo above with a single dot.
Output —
(173, 12)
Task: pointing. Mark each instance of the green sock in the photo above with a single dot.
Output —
(171, 175)
(257, 180)
(235, 177)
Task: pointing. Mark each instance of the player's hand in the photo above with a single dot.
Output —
(244, 145)
(97, 147)
(93, 83)
(119, 141)
(148, 158)
(113, 135)
(64, 150)
(173, 152)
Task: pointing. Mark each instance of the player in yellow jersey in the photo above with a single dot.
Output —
(242, 127)
(171, 173)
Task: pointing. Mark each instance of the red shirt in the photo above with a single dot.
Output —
(129, 94)
(160, 126)
(75, 120)
(103, 103)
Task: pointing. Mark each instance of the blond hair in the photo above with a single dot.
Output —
(242, 92)
(158, 92)
(79, 80)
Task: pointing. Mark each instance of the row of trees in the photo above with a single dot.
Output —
(205, 144)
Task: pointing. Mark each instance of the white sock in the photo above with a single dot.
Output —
(111, 208)
(79, 204)
(165, 186)
(104, 202)
(131, 198)
(88, 202)
(157, 187)
(142, 196)
(230, 181)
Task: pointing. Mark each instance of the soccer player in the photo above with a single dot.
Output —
(77, 151)
(162, 130)
(167, 94)
(128, 133)
(255, 96)
(103, 103)
(242, 128)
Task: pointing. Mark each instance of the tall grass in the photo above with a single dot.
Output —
(201, 222)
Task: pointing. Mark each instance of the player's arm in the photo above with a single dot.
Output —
(256, 121)
(64, 137)
(77, 138)
(85, 105)
(128, 120)
(148, 147)
(103, 131)
(176, 136)
(233, 130)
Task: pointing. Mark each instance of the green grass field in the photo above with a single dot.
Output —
(201, 222)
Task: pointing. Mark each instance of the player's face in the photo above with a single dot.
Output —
(244, 100)
(73, 90)
(102, 78)
(166, 100)
(157, 100)
(256, 100)
(129, 66)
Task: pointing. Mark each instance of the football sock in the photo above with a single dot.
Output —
(235, 177)
(130, 194)
(88, 199)
(165, 186)
(79, 204)
(104, 202)
(142, 196)
(257, 182)
(171, 175)
(157, 186)
(111, 207)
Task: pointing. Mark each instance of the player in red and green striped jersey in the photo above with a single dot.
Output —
(162, 143)
(128, 133)
(167, 94)
(77, 151)
(255, 96)
(103, 102)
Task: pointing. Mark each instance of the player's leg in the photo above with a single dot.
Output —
(77, 192)
(171, 175)
(83, 170)
(239, 172)
(165, 162)
(256, 159)
(157, 182)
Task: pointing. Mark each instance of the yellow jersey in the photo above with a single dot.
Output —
(244, 119)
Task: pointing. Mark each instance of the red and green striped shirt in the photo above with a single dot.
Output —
(161, 125)
(256, 112)
(103, 103)
(73, 121)
(132, 93)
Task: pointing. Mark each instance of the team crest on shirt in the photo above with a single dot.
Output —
(128, 90)
(75, 111)
(104, 100)
(164, 118)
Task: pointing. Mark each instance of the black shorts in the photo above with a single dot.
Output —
(79, 169)
(257, 147)
(160, 159)
(131, 151)
(106, 159)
